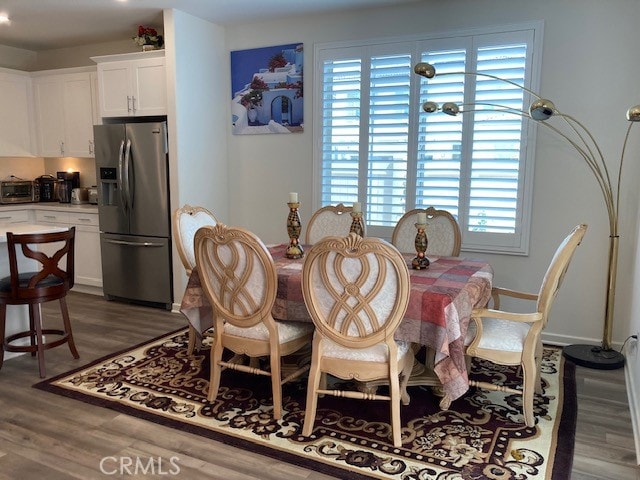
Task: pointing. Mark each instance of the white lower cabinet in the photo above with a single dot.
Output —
(87, 262)
(10, 217)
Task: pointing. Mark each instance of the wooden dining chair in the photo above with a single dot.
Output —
(509, 338)
(43, 278)
(240, 281)
(357, 291)
(332, 220)
(186, 221)
(443, 233)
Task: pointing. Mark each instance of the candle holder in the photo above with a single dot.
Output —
(357, 226)
(294, 227)
(421, 262)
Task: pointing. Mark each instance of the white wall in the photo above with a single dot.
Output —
(197, 82)
(80, 56)
(632, 352)
(589, 68)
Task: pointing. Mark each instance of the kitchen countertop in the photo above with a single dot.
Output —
(52, 206)
(28, 228)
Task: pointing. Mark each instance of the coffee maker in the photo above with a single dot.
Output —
(67, 181)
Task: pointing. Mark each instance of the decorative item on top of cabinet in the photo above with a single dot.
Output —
(16, 114)
(65, 112)
(132, 84)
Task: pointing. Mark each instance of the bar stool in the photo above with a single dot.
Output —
(33, 288)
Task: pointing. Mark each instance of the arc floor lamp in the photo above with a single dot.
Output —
(602, 357)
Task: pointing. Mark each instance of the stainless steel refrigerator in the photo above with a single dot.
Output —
(133, 206)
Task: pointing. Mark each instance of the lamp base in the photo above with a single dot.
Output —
(593, 356)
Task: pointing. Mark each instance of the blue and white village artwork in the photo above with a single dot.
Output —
(266, 90)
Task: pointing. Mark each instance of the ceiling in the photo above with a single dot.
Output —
(49, 24)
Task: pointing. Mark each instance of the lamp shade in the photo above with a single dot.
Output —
(451, 108)
(542, 109)
(430, 107)
(633, 114)
(425, 70)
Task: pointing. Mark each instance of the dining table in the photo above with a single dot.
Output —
(441, 300)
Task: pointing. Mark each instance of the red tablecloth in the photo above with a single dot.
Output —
(440, 304)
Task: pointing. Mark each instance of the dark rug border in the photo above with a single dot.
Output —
(563, 457)
(47, 386)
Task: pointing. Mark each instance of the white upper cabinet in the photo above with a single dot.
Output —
(16, 114)
(65, 111)
(132, 85)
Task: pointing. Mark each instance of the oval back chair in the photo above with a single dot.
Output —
(186, 221)
(443, 233)
(357, 291)
(329, 221)
(240, 281)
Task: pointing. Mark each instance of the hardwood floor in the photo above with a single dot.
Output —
(48, 436)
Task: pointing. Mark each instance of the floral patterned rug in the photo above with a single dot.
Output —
(480, 437)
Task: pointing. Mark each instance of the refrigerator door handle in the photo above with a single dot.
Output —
(127, 182)
(123, 202)
(134, 244)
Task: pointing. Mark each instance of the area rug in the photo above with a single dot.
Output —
(482, 436)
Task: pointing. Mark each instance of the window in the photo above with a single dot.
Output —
(377, 146)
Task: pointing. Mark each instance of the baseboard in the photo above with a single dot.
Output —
(87, 289)
(632, 377)
(564, 340)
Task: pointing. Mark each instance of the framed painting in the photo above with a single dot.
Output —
(267, 90)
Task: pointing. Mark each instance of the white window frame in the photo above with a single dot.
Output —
(531, 33)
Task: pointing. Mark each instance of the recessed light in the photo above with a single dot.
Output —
(4, 18)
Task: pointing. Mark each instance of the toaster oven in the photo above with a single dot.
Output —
(17, 191)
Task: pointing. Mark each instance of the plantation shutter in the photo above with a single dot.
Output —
(375, 145)
(388, 140)
(496, 154)
(438, 172)
(341, 88)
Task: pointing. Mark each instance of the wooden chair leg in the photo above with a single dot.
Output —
(67, 327)
(276, 386)
(529, 383)
(394, 389)
(214, 379)
(538, 380)
(192, 340)
(32, 330)
(34, 313)
(312, 398)
(3, 317)
(407, 368)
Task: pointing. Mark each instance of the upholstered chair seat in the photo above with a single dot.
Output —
(375, 353)
(287, 331)
(498, 334)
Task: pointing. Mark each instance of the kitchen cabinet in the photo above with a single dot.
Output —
(12, 217)
(65, 113)
(16, 114)
(88, 263)
(132, 85)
